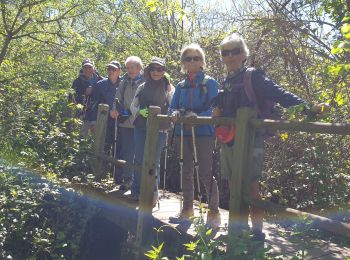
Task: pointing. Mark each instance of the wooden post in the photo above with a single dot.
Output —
(242, 145)
(148, 178)
(100, 136)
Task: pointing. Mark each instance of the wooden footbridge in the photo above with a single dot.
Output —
(246, 122)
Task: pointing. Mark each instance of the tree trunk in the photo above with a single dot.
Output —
(4, 48)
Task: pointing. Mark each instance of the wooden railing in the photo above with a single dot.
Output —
(246, 122)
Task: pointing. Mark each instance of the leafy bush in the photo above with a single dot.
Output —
(40, 220)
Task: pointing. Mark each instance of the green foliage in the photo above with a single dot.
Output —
(36, 217)
(42, 44)
(38, 126)
(155, 253)
(312, 177)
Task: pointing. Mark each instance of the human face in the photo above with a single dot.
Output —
(232, 57)
(88, 71)
(113, 73)
(133, 69)
(192, 61)
(156, 71)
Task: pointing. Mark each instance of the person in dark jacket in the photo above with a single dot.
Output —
(104, 93)
(191, 98)
(234, 53)
(155, 91)
(82, 86)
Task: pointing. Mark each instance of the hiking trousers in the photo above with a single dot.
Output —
(205, 147)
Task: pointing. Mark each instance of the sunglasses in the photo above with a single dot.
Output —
(111, 69)
(195, 58)
(159, 69)
(232, 52)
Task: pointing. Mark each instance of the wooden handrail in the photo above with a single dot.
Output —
(200, 120)
(246, 123)
(311, 127)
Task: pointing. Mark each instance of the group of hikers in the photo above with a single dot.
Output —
(130, 96)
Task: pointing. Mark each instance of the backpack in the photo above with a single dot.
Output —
(265, 110)
(203, 88)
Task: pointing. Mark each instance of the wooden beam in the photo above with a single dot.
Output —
(333, 226)
(100, 136)
(206, 120)
(244, 135)
(148, 178)
(311, 127)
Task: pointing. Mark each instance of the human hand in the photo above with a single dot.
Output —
(190, 114)
(175, 116)
(144, 112)
(113, 113)
(320, 108)
(216, 112)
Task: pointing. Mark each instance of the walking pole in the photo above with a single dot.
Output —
(196, 165)
(181, 162)
(115, 140)
(213, 171)
(115, 147)
(165, 162)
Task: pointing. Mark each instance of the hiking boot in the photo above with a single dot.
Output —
(184, 216)
(213, 219)
(133, 197)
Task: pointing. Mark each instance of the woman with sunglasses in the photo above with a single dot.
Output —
(234, 53)
(155, 91)
(191, 98)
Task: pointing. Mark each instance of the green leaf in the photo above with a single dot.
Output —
(191, 246)
(209, 231)
(345, 28)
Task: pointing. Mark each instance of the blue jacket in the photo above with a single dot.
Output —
(80, 85)
(196, 98)
(104, 93)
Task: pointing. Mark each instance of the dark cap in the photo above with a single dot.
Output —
(87, 62)
(158, 61)
(114, 64)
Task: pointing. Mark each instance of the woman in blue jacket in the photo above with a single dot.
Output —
(192, 98)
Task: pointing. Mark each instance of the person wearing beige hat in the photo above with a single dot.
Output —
(155, 91)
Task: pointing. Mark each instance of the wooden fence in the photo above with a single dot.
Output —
(246, 122)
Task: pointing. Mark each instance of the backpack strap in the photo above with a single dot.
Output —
(203, 88)
(204, 84)
(248, 88)
(122, 91)
(182, 83)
